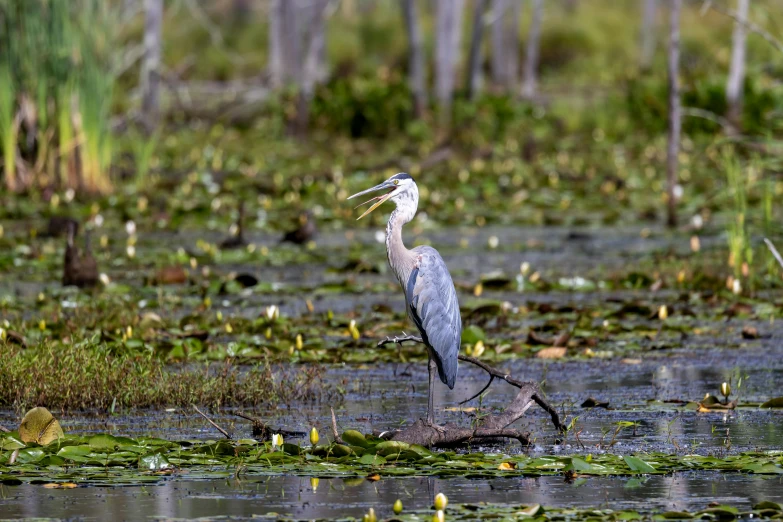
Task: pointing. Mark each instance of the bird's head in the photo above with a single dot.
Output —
(400, 188)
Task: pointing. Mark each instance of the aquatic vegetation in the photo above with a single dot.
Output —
(92, 375)
(108, 459)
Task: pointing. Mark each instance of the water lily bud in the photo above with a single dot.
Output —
(314, 483)
(353, 330)
(441, 501)
(371, 516)
(219, 316)
(42, 325)
(272, 312)
(439, 516)
(663, 312)
(725, 389)
(478, 349)
(193, 263)
(131, 251)
(3, 335)
(229, 328)
(268, 333)
(277, 440)
(129, 331)
(207, 302)
(299, 342)
(41, 297)
(397, 508)
(313, 436)
(104, 241)
(104, 279)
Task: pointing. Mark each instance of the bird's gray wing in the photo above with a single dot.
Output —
(432, 304)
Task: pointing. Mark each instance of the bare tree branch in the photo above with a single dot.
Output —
(221, 430)
(752, 27)
(774, 251)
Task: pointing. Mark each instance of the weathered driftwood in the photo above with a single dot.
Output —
(493, 426)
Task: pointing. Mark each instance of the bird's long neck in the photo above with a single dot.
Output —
(400, 258)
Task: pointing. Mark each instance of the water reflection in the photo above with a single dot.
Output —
(295, 496)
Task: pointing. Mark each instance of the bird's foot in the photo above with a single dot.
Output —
(431, 424)
(400, 340)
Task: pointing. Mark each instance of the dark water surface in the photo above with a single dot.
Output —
(295, 497)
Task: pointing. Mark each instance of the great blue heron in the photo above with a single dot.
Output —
(429, 291)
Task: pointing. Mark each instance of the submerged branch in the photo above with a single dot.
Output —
(489, 427)
(221, 430)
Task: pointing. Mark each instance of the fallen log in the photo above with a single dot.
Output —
(494, 426)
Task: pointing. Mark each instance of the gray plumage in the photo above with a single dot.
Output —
(430, 295)
(433, 306)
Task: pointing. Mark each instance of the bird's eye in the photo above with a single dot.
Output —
(396, 182)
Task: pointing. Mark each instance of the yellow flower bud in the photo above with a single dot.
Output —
(397, 508)
(663, 312)
(313, 436)
(299, 342)
(439, 516)
(314, 483)
(371, 516)
(441, 501)
(42, 325)
(725, 389)
(478, 349)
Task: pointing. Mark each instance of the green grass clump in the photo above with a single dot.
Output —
(90, 376)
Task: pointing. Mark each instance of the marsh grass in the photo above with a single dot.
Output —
(89, 375)
(57, 82)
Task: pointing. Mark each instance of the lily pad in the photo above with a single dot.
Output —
(40, 426)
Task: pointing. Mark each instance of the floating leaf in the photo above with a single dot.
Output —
(39, 426)
(471, 334)
(777, 402)
(154, 462)
(637, 464)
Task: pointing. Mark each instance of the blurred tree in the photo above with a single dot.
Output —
(310, 72)
(284, 48)
(649, 12)
(416, 60)
(737, 67)
(505, 42)
(675, 112)
(448, 34)
(474, 59)
(150, 65)
(530, 76)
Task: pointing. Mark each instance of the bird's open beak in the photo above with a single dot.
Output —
(379, 200)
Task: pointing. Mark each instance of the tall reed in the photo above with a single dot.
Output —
(59, 58)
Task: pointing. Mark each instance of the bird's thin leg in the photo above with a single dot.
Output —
(430, 410)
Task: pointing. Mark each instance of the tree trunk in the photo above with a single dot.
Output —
(530, 77)
(150, 66)
(284, 45)
(474, 60)
(675, 110)
(505, 42)
(448, 27)
(734, 86)
(647, 53)
(309, 71)
(416, 60)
